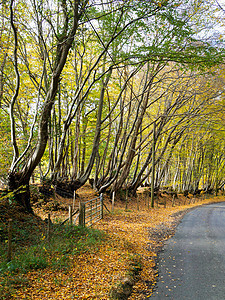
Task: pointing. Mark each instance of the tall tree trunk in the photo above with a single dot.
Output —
(20, 179)
(84, 177)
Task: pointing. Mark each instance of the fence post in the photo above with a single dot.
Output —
(9, 253)
(113, 199)
(54, 193)
(70, 215)
(49, 229)
(173, 201)
(91, 212)
(82, 214)
(126, 206)
(74, 199)
(101, 206)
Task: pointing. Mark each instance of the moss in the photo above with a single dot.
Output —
(123, 289)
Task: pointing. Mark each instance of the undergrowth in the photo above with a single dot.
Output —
(32, 251)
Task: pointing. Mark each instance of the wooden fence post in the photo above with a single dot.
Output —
(9, 253)
(91, 210)
(173, 201)
(49, 229)
(113, 199)
(82, 214)
(101, 206)
(54, 193)
(70, 215)
(74, 199)
(126, 206)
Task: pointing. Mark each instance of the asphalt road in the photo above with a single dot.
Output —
(192, 263)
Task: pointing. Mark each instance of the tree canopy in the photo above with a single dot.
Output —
(83, 84)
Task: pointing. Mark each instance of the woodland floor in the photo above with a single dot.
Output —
(132, 233)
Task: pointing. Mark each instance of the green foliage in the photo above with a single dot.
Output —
(122, 36)
(68, 241)
(37, 253)
(33, 259)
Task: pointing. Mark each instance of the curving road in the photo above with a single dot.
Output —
(192, 263)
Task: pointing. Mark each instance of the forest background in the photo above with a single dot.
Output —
(124, 93)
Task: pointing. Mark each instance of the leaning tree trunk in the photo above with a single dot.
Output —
(18, 181)
(80, 181)
(21, 190)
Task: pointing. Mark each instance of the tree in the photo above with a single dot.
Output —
(87, 56)
(19, 180)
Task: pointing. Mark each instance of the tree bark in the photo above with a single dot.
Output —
(20, 179)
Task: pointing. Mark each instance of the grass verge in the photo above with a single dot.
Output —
(32, 252)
